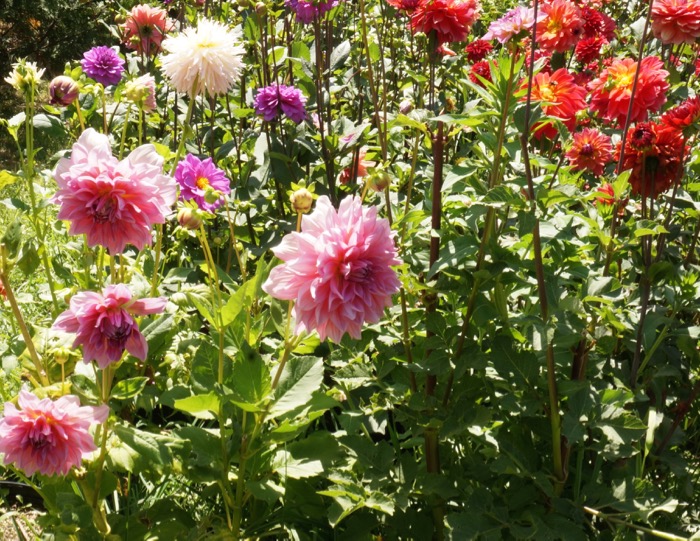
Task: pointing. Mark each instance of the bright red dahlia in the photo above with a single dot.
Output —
(562, 27)
(477, 50)
(590, 151)
(483, 69)
(676, 21)
(653, 153)
(611, 92)
(451, 20)
(588, 49)
(684, 117)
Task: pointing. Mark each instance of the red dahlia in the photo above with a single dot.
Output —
(451, 20)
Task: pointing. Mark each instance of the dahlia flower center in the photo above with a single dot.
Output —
(202, 183)
(547, 93)
(104, 209)
(642, 138)
(587, 149)
(625, 80)
(356, 271)
(117, 330)
(40, 435)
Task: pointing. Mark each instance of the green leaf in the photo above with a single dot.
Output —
(518, 367)
(158, 334)
(340, 54)
(29, 261)
(12, 238)
(142, 451)
(128, 388)
(7, 178)
(201, 406)
(250, 381)
(300, 378)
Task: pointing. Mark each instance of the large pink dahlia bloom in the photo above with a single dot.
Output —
(104, 325)
(113, 202)
(48, 436)
(338, 269)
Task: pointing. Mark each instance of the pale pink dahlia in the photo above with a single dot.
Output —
(515, 23)
(113, 202)
(104, 325)
(48, 436)
(338, 269)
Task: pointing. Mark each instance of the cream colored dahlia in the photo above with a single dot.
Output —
(207, 58)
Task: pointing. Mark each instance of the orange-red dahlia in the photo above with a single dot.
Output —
(451, 20)
(590, 151)
(676, 21)
(611, 92)
(562, 27)
(607, 194)
(560, 97)
(653, 153)
(684, 117)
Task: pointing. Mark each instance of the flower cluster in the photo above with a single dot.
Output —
(46, 436)
(112, 202)
(273, 100)
(337, 269)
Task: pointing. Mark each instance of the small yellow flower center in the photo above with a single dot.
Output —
(547, 93)
(202, 183)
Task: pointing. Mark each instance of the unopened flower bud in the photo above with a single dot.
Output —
(261, 9)
(63, 90)
(189, 218)
(302, 200)
(245, 4)
(380, 180)
(119, 18)
(211, 195)
(142, 91)
(61, 355)
(406, 106)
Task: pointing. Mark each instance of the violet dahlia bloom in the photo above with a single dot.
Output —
(308, 10)
(202, 181)
(103, 64)
(48, 436)
(337, 269)
(104, 325)
(113, 202)
(272, 100)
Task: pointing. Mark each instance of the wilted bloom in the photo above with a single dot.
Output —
(477, 50)
(207, 58)
(676, 21)
(112, 202)
(451, 20)
(684, 117)
(145, 28)
(514, 23)
(273, 100)
(103, 64)
(104, 326)
(483, 70)
(611, 92)
(590, 150)
(24, 76)
(653, 153)
(202, 181)
(46, 436)
(607, 194)
(63, 90)
(337, 269)
(142, 91)
(562, 26)
(561, 98)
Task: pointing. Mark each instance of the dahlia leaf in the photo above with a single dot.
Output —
(300, 378)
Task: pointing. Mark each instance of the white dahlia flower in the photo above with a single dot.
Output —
(207, 58)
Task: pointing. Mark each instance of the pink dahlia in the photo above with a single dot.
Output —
(337, 269)
(450, 20)
(113, 202)
(517, 22)
(48, 436)
(676, 21)
(145, 28)
(104, 325)
(202, 181)
(611, 92)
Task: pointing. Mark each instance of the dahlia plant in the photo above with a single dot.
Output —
(397, 269)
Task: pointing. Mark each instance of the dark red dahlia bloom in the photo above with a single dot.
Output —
(477, 50)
